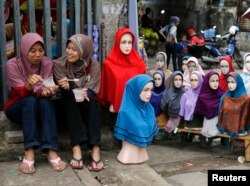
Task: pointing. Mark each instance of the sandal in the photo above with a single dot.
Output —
(91, 167)
(27, 170)
(79, 162)
(57, 164)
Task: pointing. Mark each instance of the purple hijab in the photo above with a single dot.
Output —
(189, 98)
(209, 99)
(19, 68)
(157, 94)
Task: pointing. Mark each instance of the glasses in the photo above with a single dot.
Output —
(194, 80)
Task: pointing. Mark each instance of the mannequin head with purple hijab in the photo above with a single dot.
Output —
(189, 98)
(155, 100)
(209, 97)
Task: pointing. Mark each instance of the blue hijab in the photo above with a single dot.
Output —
(136, 121)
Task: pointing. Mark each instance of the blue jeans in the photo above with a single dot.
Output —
(29, 112)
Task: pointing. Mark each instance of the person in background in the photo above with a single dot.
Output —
(77, 71)
(136, 124)
(246, 72)
(169, 33)
(194, 39)
(29, 102)
(182, 50)
(146, 21)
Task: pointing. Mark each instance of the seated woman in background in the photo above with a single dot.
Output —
(208, 102)
(246, 72)
(170, 102)
(136, 124)
(29, 102)
(234, 110)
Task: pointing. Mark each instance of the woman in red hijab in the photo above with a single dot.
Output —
(226, 66)
(122, 63)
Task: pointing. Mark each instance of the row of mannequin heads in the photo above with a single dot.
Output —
(213, 81)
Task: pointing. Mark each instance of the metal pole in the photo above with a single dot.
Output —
(89, 17)
(133, 19)
(32, 16)
(47, 27)
(3, 57)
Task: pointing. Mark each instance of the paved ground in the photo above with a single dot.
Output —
(172, 162)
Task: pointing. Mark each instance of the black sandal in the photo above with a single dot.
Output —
(90, 166)
(79, 161)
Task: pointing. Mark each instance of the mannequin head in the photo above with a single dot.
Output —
(194, 80)
(214, 81)
(157, 79)
(191, 66)
(231, 83)
(160, 60)
(147, 92)
(178, 81)
(247, 62)
(224, 66)
(126, 43)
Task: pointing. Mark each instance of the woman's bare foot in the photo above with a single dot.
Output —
(56, 163)
(27, 165)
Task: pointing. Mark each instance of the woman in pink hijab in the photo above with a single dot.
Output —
(29, 101)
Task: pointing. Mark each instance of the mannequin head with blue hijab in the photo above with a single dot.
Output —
(136, 124)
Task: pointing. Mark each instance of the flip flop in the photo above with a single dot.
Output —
(55, 164)
(79, 161)
(90, 166)
(30, 164)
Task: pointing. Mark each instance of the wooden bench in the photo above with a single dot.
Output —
(245, 138)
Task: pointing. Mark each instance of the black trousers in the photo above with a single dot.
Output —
(82, 118)
(171, 50)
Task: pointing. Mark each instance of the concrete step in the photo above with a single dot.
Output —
(7, 125)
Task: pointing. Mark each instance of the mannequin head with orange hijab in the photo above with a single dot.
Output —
(122, 63)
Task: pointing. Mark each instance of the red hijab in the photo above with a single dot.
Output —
(117, 69)
(223, 77)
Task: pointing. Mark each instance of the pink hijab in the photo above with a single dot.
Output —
(19, 68)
